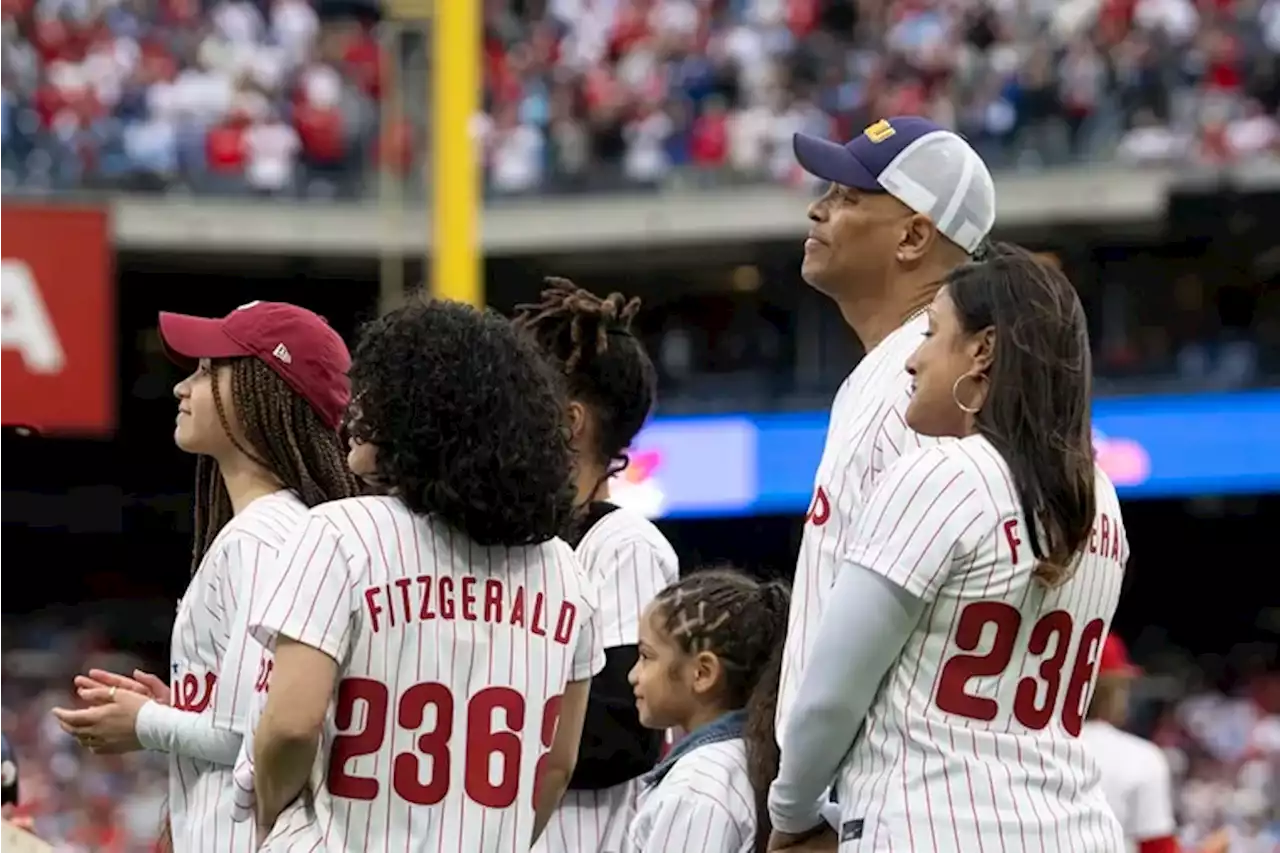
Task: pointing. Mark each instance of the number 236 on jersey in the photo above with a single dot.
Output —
(422, 776)
(1060, 685)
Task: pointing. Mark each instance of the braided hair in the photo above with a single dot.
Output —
(590, 340)
(283, 434)
(743, 622)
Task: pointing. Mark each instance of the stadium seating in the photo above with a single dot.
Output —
(274, 99)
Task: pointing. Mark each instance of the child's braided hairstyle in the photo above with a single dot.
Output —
(743, 622)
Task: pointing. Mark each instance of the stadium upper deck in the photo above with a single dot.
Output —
(272, 98)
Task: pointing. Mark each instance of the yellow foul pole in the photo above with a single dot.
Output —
(455, 174)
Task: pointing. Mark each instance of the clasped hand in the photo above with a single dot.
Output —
(109, 725)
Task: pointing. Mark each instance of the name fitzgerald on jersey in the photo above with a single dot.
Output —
(405, 601)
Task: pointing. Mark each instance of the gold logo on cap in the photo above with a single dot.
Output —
(880, 131)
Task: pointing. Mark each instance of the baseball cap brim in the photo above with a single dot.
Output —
(187, 339)
(831, 162)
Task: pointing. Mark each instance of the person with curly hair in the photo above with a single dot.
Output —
(260, 409)
(434, 643)
(612, 385)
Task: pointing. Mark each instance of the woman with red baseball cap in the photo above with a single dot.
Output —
(261, 410)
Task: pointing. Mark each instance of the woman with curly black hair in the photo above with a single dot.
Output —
(442, 623)
(612, 386)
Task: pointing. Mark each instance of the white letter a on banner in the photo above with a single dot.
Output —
(27, 327)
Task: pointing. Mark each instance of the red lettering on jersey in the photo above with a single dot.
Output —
(564, 623)
(373, 607)
(1011, 536)
(263, 682)
(1049, 640)
(493, 595)
(538, 624)
(186, 694)
(404, 584)
(517, 608)
(469, 598)
(424, 581)
(819, 509)
(426, 783)
(485, 603)
(445, 597)
(1107, 538)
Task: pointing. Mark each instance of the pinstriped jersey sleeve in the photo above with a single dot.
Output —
(588, 654)
(893, 440)
(247, 559)
(689, 823)
(311, 599)
(926, 512)
(629, 572)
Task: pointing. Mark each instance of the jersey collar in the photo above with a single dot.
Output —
(726, 727)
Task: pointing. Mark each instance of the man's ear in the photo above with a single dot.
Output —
(918, 238)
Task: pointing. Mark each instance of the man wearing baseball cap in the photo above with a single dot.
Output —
(1135, 773)
(907, 201)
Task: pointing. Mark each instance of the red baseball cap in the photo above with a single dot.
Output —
(1114, 659)
(294, 342)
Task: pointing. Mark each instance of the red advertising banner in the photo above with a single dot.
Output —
(59, 322)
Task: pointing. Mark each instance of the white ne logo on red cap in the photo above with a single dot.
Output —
(282, 352)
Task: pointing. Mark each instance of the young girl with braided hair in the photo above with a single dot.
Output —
(710, 657)
(261, 410)
(611, 385)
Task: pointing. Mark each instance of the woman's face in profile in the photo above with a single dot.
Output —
(936, 367)
(362, 459)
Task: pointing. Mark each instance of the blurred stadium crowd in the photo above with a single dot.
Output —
(273, 97)
(1218, 721)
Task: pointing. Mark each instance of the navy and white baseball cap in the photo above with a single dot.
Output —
(928, 168)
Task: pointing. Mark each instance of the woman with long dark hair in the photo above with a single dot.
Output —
(959, 646)
(260, 409)
(612, 385)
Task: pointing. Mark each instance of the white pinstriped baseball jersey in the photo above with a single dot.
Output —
(704, 804)
(630, 562)
(972, 743)
(212, 671)
(1136, 780)
(452, 660)
(866, 434)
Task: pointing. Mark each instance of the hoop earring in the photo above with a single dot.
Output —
(955, 396)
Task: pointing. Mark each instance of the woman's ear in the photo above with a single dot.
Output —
(577, 419)
(982, 349)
